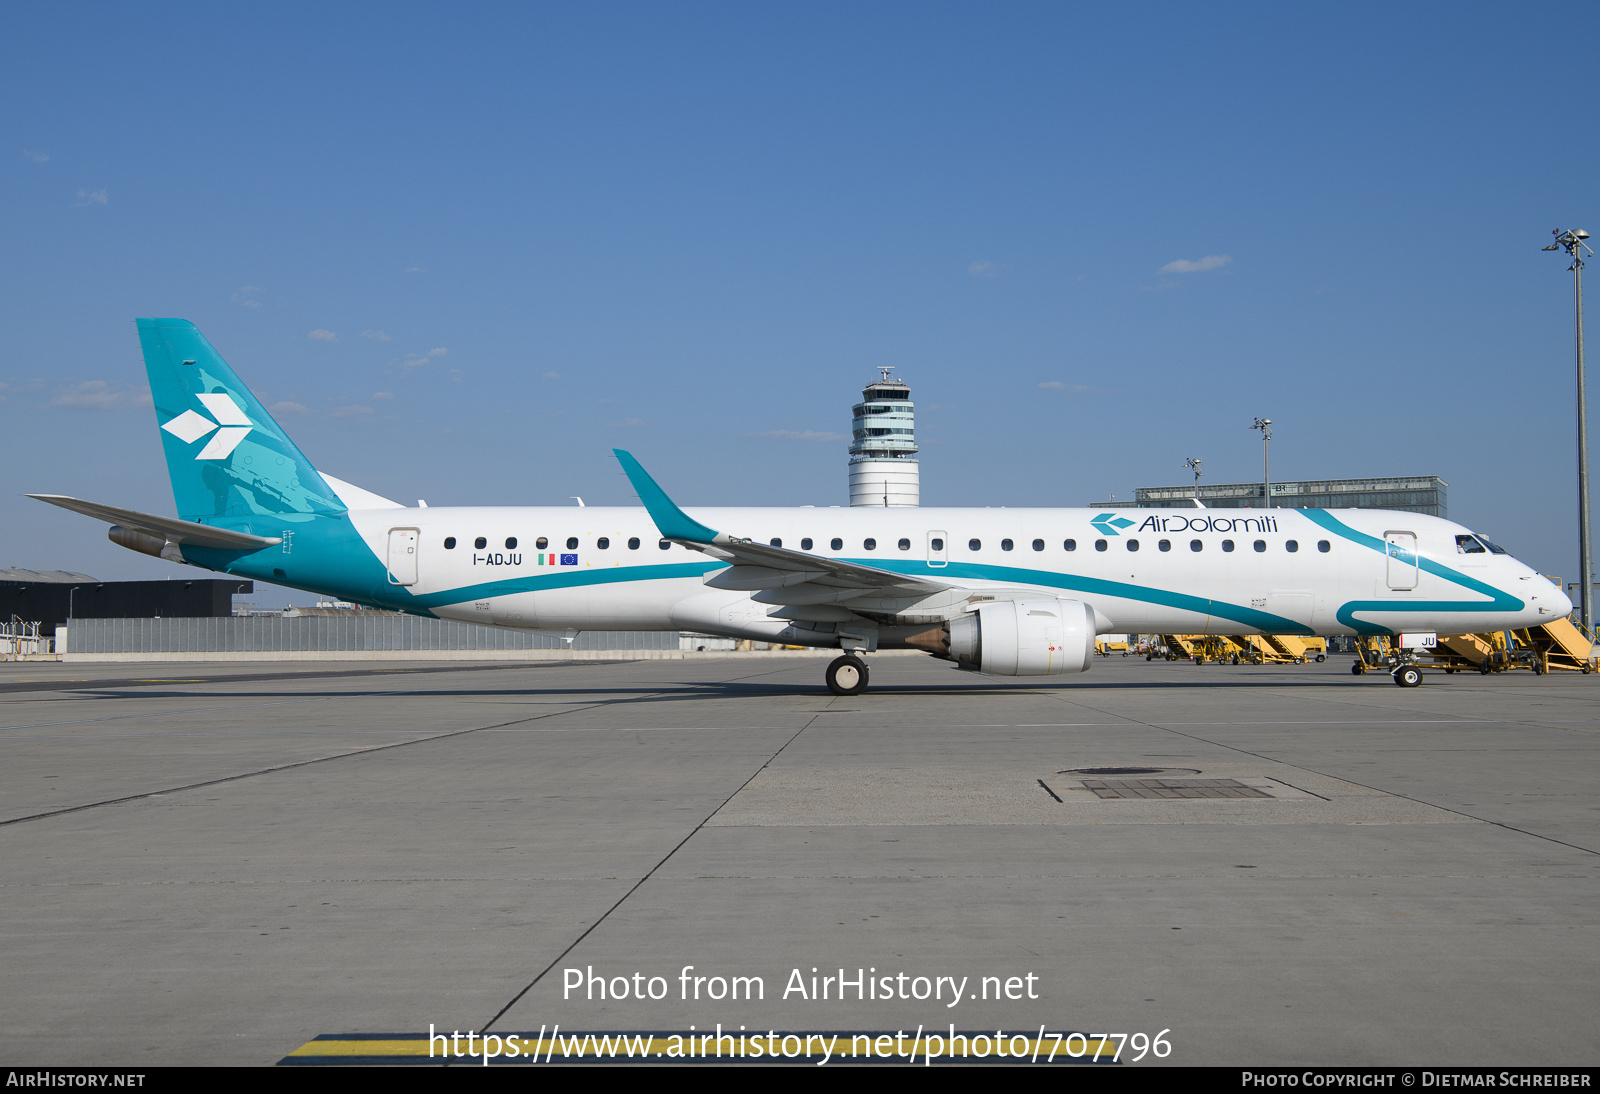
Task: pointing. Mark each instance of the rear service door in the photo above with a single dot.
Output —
(403, 556)
(1401, 547)
(938, 549)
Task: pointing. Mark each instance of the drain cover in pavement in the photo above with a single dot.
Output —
(1172, 788)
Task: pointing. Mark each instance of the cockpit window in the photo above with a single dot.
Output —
(1464, 544)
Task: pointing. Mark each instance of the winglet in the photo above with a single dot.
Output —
(672, 522)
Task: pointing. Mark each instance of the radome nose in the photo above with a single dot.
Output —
(1560, 602)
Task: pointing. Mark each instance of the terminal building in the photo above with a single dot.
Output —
(883, 447)
(1427, 494)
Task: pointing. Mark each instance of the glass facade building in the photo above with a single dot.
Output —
(1428, 494)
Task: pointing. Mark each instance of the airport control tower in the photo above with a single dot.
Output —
(883, 454)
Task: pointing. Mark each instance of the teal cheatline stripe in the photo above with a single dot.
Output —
(672, 522)
(1265, 622)
(573, 580)
(1499, 599)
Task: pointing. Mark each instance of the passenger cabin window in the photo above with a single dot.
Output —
(1324, 546)
(776, 542)
(836, 543)
(541, 543)
(1099, 545)
(511, 543)
(870, 544)
(1069, 545)
(974, 544)
(572, 543)
(805, 544)
(936, 544)
(1469, 545)
(449, 543)
(633, 543)
(1227, 545)
(1291, 546)
(603, 543)
(904, 545)
(664, 545)
(1133, 545)
(1196, 545)
(480, 543)
(1038, 545)
(1164, 545)
(1260, 545)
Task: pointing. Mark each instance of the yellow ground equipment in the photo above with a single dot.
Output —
(1280, 649)
(1561, 645)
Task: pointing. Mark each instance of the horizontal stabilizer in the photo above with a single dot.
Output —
(169, 528)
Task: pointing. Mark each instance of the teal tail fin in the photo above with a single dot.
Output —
(225, 454)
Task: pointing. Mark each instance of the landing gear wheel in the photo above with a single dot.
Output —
(847, 675)
(1408, 676)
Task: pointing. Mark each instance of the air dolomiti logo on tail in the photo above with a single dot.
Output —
(231, 426)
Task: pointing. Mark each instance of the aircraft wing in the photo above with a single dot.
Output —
(776, 575)
(168, 528)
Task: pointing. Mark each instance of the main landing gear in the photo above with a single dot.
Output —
(847, 675)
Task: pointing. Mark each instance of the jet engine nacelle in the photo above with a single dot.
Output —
(1024, 637)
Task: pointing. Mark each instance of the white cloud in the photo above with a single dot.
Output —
(383, 395)
(627, 423)
(100, 395)
(1184, 265)
(552, 376)
(287, 407)
(90, 197)
(415, 269)
(985, 268)
(815, 435)
(438, 351)
(320, 335)
(376, 336)
(411, 363)
(245, 293)
(352, 412)
(1051, 385)
(35, 155)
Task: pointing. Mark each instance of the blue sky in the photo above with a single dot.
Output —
(467, 250)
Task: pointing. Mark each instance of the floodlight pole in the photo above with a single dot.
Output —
(1193, 463)
(1265, 425)
(1572, 241)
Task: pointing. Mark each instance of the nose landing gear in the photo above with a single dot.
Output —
(847, 675)
(1408, 676)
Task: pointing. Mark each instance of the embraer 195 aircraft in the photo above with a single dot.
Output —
(1010, 592)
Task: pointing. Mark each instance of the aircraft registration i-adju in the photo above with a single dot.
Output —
(1009, 592)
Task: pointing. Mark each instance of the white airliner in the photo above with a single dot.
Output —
(1010, 592)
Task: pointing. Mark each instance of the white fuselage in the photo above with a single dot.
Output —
(1185, 571)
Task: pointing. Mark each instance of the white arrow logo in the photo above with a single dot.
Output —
(190, 427)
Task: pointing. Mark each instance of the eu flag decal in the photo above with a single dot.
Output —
(569, 560)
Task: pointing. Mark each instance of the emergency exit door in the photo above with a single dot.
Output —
(403, 556)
